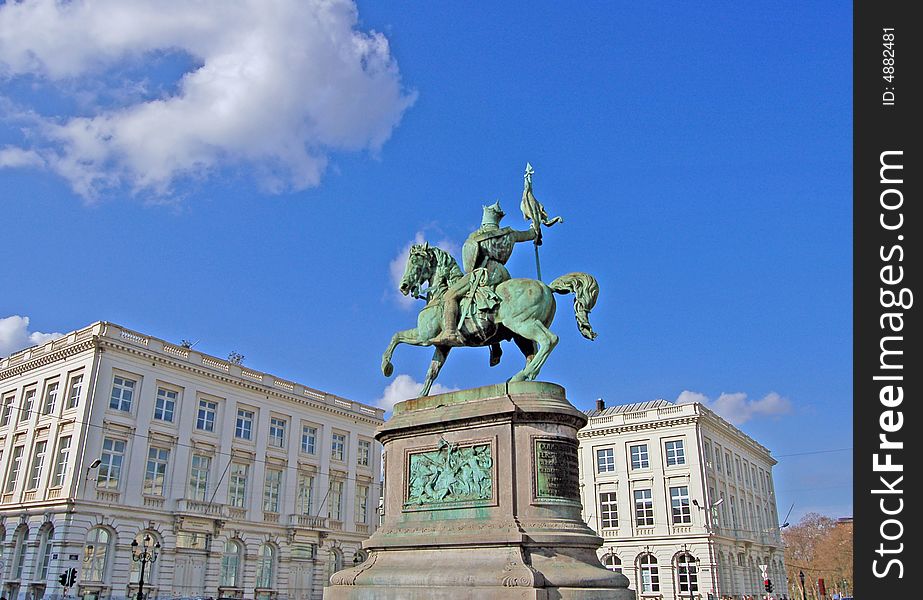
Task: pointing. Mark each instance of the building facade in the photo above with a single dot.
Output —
(683, 500)
(254, 486)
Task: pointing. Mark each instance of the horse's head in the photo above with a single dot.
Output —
(418, 271)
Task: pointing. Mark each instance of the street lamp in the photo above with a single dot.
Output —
(709, 523)
(147, 553)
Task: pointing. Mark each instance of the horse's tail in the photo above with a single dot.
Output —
(585, 290)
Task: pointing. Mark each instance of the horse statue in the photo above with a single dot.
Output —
(523, 313)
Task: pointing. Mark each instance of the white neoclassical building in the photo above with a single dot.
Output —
(653, 473)
(254, 486)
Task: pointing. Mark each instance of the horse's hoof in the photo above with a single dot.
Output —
(387, 369)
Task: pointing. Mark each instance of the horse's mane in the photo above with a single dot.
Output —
(445, 272)
(446, 263)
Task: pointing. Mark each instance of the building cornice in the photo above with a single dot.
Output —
(30, 362)
(589, 432)
(110, 336)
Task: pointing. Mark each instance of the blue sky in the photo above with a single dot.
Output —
(245, 179)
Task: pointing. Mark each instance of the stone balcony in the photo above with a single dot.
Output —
(307, 521)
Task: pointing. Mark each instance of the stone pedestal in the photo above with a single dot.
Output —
(482, 501)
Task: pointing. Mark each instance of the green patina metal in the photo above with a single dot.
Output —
(449, 475)
(483, 305)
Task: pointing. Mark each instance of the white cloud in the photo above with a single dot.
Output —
(738, 408)
(15, 335)
(13, 157)
(273, 86)
(405, 387)
(399, 263)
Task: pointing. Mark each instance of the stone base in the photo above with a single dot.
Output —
(482, 502)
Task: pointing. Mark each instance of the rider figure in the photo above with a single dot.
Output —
(484, 255)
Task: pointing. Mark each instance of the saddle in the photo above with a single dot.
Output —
(478, 308)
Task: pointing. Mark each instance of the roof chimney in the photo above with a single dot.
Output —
(600, 404)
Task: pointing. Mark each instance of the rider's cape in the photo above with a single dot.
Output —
(472, 252)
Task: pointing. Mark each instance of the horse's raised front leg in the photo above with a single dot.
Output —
(408, 336)
(439, 356)
(536, 331)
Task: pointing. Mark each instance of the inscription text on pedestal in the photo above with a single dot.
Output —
(555, 469)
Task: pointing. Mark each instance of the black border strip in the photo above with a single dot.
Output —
(885, 271)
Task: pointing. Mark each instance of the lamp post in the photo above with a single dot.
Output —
(146, 553)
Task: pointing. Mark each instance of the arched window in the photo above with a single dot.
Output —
(265, 566)
(230, 565)
(95, 554)
(334, 562)
(649, 573)
(612, 562)
(687, 574)
(44, 553)
(149, 574)
(19, 551)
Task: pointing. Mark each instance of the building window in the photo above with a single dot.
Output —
(362, 503)
(205, 418)
(338, 447)
(230, 565)
(60, 467)
(308, 439)
(608, 510)
(708, 454)
(271, 490)
(198, 477)
(639, 457)
(95, 555)
(676, 454)
(644, 508)
(334, 562)
(74, 390)
(15, 466)
(123, 389)
(335, 500)
(734, 522)
(28, 401)
(305, 494)
(612, 562)
(365, 453)
(244, 428)
(156, 472)
(19, 551)
(727, 463)
(753, 478)
(237, 485)
(165, 404)
(51, 398)
(687, 574)
(740, 475)
(110, 466)
(45, 553)
(265, 567)
(277, 432)
(679, 505)
(717, 458)
(650, 573)
(38, 460)
(605, 460)
(6, 410)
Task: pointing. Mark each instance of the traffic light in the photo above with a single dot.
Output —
(768, 585)
(64, 577)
